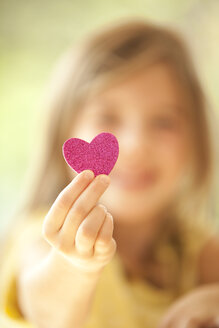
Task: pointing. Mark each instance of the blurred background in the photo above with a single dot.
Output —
(33, 35)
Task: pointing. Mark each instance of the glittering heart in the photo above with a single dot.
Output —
(100, 155)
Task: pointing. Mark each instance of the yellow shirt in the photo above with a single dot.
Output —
(118, 302)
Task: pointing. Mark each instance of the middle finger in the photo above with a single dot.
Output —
(83, 205)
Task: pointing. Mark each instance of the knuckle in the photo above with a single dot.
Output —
(109, 244)
(62, 245)
(101, 209)
(86, 232)
(79, 209)
(63, 200)
(102, 241)
(106, 249)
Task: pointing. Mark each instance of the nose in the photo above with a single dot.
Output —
(135, 144)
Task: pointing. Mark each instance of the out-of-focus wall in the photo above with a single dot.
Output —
(33, 34)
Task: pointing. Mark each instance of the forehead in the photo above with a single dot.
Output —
(152, 88)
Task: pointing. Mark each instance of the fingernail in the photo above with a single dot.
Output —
(104, 178)
(89, 174)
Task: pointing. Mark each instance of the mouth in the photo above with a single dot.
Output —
(128, 181)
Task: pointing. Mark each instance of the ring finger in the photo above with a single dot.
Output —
(88, 230)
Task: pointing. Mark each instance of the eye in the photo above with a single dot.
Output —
(107, 118)
(164, 123)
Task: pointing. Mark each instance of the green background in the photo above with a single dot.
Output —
(33, 34)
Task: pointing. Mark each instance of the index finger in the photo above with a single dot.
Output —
(65, 199)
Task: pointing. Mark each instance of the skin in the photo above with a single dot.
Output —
(67, 261)
(152, 130)
(198, 309)
(154, 136)
(79, 228)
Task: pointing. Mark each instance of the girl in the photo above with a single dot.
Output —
(138, 248)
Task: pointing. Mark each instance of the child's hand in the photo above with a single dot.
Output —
(197, 309)
(79, 228)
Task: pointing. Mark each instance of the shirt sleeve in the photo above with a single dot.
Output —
(21, 234)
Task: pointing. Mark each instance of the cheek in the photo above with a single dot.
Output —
(173, 153)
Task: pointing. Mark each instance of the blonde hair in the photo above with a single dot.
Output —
(105, 58)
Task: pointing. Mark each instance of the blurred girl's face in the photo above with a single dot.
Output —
(146, 113)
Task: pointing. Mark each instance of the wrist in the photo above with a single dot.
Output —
(58, 260)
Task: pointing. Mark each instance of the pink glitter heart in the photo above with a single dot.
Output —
(100, 155)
